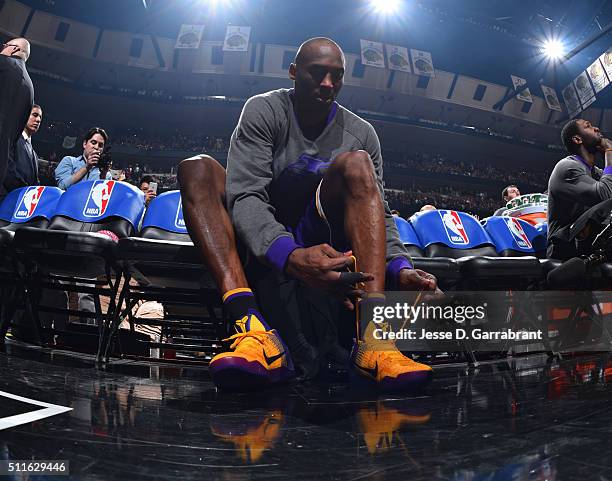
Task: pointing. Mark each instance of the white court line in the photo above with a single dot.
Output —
(48, 411)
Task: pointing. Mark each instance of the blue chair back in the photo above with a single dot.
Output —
(511, 235)
(7, 207)
(35, 202)
(409, 237)
(449, 233)
(92, 201)
(166, 212)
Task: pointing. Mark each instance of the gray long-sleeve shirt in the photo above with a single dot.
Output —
(573, 188)
(273, 172)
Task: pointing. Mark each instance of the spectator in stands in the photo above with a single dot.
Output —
(427, 207)
(145, 183)
(85, 167)
(16, 99)
(23, 164)
(509, 193)
(576, 184)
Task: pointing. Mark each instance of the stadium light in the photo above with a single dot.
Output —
(386, 7)
(553, 49)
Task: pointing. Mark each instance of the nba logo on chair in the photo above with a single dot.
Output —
(99, 198)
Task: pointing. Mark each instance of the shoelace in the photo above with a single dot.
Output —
(259, 336)
(397, 357)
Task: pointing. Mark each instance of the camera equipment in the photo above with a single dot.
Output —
(105, 160)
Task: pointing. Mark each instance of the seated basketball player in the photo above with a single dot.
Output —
(304, 192)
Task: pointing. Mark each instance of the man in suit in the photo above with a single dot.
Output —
(16, 99)
(23, 163)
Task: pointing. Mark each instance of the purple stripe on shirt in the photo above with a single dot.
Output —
(279, 251)
(332, 113)
(393, 269)
(577, 157)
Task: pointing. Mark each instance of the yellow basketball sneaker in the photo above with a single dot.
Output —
(382, 362)
(257, 357)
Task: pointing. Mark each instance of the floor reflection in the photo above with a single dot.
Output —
(530, 418)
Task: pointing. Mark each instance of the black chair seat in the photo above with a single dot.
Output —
(163, 263)
(445, 269)
(77, 254)
(6, 237)
(514, 269)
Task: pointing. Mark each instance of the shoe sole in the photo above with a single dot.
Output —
(409, 381)
(236, 374)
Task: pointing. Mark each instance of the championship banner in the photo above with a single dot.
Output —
(69, 142)
(372, 54)
(598, 76)
(571, 100)
(550, 95)
(606, 61)
(584, 89)
(189, 36)
(524, 95)
(422, 63)
(397, 58)
(236, 39)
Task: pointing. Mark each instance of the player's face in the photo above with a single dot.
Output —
(319, 77)
(590, 135)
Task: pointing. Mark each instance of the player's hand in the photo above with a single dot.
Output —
(604, 144)
(416, 280)
(149, 196)
(319, 267)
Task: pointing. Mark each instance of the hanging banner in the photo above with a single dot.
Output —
(524, 95)
(422, 63)
(69, 142)
(598, 76)
(372, 54)
(189, 36)
(606, 61)
(397, 58)
(584, 89)
(571, 100)
(550, 95)
(236, 39)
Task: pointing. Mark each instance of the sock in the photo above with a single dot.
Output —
(365, 313)
(241, 302)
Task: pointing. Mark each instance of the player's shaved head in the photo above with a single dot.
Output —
(316, 47)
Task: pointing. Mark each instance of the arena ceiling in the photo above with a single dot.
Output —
(487, 39)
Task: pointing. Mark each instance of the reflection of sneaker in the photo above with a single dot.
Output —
(380, 425)
(385, 364)
(258, 357)
(251, 441)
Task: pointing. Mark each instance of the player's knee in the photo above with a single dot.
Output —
(357, 168)
(201, 170)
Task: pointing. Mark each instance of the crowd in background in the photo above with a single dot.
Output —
(406, 200)
(440, 164)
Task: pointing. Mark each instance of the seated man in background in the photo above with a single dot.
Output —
(510, 192)
(576, 184)
(304, 192)
(86, 166)
(22, 168)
